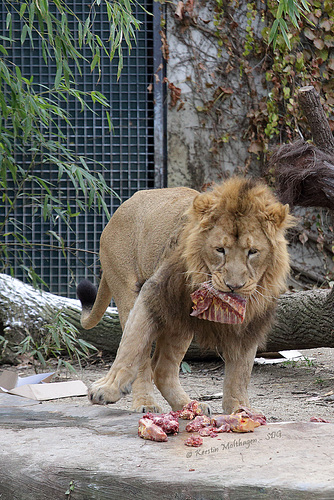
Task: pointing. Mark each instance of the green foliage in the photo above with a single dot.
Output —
(308, 59)
(60, 341)
(70, 489)
(305, 362)
(31, 120)
(185, 367)
(122, 26)
(292, 10)
(296, 50)
(28, 111)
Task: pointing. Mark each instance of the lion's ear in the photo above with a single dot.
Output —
(203, 205)
(280, 217)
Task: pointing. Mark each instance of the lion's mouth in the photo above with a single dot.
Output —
(221, 307)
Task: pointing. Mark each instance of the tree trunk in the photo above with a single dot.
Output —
(304, 320)
(309, 101)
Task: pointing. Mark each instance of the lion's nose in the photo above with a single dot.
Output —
(234, 286)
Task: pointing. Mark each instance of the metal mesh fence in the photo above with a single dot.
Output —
(127, 157)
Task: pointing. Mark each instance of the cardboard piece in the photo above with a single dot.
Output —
(285, 356)
(38, 387)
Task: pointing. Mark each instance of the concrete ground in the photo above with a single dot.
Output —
(82, 452)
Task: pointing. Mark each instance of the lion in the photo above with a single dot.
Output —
(158, 248)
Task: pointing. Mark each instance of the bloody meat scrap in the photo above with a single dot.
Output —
(167, 421)
(148, 430)
(156, 426)
(194, 441)
(198, 423)
(208, 432)
(191, 410)
(242, 420)
(234, 423)
(253, 414)
(221, 307)
(320, 420)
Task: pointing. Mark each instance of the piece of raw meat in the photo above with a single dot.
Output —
(198, 423)
(148, 430)
(319, 419)
(191, 410)
(258, 417)
(221, 307)
(167, 421)
(208, 432)
(235, 423)
(194, 441)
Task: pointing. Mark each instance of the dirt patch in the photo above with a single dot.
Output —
(291, 391)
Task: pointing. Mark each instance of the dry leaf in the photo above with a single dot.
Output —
(319, 43)
(175, 94)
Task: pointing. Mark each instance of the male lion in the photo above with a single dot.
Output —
(157, 249)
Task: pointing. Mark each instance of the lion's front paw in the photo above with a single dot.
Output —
(145, 404)
(231, 404)
(103, 392)
(147, 408)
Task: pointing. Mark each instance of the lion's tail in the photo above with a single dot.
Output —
(94, 303)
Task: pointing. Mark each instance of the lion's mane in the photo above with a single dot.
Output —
(248, 201)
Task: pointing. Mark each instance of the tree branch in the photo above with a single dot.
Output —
(309, 101)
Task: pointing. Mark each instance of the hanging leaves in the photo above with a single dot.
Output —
(29, 111)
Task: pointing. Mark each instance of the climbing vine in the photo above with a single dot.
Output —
(308, 61)
(303, 54)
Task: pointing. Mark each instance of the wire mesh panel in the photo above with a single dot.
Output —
(126, 156)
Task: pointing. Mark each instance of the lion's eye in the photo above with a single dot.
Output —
(252, 251)
(220, 250)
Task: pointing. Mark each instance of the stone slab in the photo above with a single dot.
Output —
(48, 448)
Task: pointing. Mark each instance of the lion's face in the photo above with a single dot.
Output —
(236, 256)
(235, 239)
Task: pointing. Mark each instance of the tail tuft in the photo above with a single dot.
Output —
(86, 293)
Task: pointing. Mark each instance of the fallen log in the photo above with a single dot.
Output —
(304, 320)
(27, 311)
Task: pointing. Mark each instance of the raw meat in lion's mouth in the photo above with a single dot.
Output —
(221, 307)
